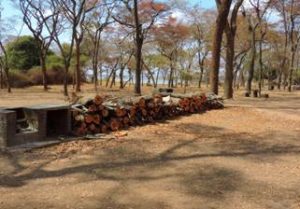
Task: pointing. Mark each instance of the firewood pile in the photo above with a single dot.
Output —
(101, 115)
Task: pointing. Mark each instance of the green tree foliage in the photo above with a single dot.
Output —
(55, 62)
(23, 53)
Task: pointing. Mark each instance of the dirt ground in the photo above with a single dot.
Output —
(246, 156)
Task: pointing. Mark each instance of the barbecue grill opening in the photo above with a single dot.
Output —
(25, 121)
(57, 121)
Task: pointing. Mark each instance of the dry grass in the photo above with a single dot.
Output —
(245, 156)
(35, 95)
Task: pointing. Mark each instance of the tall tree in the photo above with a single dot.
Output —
(169, 38)
(230, 31)
(95, 24)
(4, 65)
(221, 21)
(75, 12)
(252, 26)
(140, 16)
(66, 50)
(260, 8)
(281, 7)
(201, 31)
(255, 18)
(294, 37)
(42, 26)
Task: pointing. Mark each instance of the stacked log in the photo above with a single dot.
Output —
(102, 116)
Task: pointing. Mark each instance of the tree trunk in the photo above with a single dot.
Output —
(201, 66)
(1, 78)
(228, 89)
(279, 79)
(101, 74)
(121, 77)
(95, 75)
(113, 80)
(138, 54)
(260, 81)
(157, 77)
(110, 75)
(150, 75)
(270, 83)
(8, 80)
(252, 61)
(201, 76)
(230, 30)
(171, 81)
(223, 11)
(66, 80)
(291, 71)
(77, 71)
(44, 71)
(207, 73)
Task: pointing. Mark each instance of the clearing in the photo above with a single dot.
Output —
(245, 156)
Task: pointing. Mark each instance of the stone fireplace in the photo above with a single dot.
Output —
(33, 124)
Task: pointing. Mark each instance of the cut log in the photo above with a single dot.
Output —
(102, 116)
(114, 124)
(105, 112)
(104, 128)
(120, 112)
(98, 100)
(89, 118)
(97, 119)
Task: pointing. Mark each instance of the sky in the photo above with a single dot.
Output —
(11, 14)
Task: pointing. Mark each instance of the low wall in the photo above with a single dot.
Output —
(32, 124)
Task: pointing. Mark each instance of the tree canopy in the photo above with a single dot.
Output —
(23, 53)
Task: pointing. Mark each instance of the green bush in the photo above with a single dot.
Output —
(55, 62)
(23, 53)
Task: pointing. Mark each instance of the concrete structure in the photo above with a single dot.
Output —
(33, 124)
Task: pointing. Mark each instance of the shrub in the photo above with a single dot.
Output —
(54, 62)
(35, 75)
(54, 75)
(19, 79)
(23, 53)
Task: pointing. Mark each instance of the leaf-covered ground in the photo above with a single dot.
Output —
(245, 156)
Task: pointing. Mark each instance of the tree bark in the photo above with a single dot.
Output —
(95, 75)
(1, 78)
(157, 77)
(228, 89)
(260, 74)
(77, 71)
(201, 76)
(150, 74)
(223, 11)
(252, 59)
(66, 80)
(44, 71)
(8, 80)
(101, 74)
(279, 79)
(293, 49)
(291, 71)
(121, 77)
(138, 45)
(230, 31)
(171, 79)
